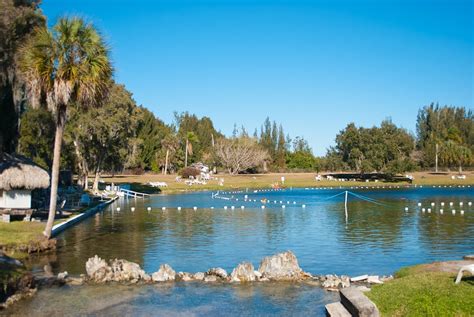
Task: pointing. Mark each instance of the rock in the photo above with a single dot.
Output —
(74, 281)
(6, 261)
(125, 271)
(218, 272)
(374, 279)
(386, 278)
(199, 276)
(281, 266)
(244, 272)
(63, 275)
(257, 274)
(469, 257)
(210, 278)
(184, 276)
(333, 281)
(164, 274)
(98, 270)
(359, 278)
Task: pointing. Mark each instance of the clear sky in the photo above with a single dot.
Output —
(313, 66)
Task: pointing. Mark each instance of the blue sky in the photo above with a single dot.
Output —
(313, 66)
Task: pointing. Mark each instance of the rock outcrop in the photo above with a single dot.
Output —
(282, 266)
(244, 272)
(164, 274)
(218, 272)
(99, 271)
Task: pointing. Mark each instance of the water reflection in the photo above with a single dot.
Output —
(376, 239)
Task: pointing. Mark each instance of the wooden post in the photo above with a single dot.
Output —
(345, 205)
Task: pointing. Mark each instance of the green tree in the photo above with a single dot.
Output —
(69, 65)
(37, 136)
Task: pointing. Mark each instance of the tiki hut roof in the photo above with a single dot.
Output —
(19, 172)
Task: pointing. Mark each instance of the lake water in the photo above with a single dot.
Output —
(378, 237)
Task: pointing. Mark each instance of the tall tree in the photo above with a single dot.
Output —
(170, 144)
(68, 65)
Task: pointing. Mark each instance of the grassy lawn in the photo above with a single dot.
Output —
(20, 232)
(424, 292)
(232, 182)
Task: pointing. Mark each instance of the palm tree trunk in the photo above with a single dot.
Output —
(166, 161)
(58, 138)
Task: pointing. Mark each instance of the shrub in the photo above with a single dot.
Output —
(187, 172)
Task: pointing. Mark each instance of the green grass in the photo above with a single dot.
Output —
(418, 293)
(20, 232)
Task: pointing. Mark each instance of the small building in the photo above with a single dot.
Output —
(18, 177)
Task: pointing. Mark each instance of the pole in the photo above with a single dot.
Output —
(345, 205)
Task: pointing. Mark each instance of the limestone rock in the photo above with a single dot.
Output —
(164, 274)
(281, 266)
(98, 270)
(333, 281)
(199, 276)
(218, 272)
(184, 276)
(125, 271)
(210, 278)
(244, 272)
(63, 275)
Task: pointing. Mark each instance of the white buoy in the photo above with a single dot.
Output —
(406, 208)
(419, 204)
(461, 203)
(462, 212)
(163, 208)
(294, 203)
(470, 203)
(118, 208)
(429, 210)
(263, 207)
(303, 206)
(149, 209)
(232, 207)
(225, 207)
(432, 204)
(453, 211)
(441, 211)
(283, 206)
(451, 203)
(442, 203)
(132, 209)
(423, 209)
(212, 207)
(195, 208)
(179, 208)
(242, 207)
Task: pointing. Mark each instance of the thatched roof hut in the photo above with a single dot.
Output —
(19, 172)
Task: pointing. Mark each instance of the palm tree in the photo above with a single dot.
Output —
(67, 65)
(170, 144)
(190, 138)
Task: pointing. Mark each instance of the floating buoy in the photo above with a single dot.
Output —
(441, 211)
(462, 212)
(442, 203)
(406, 208)
(419, 204)
(195, 208)
(179, 208)
(149, 209)
(453, 211)
(118, 208)
(163, 208)
(132, 209)
(432, 204)
(423, 209)
(429, 210)
(461, 203)
(294, 203)
(212, 207)
(232, 207)
(470, 203)
(242, 207)
(283, 206)
(263, 207)
(451, 203)
(303, 206)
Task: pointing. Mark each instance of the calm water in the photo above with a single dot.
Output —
(376, 239)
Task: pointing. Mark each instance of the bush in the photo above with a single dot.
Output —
(187, 172)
